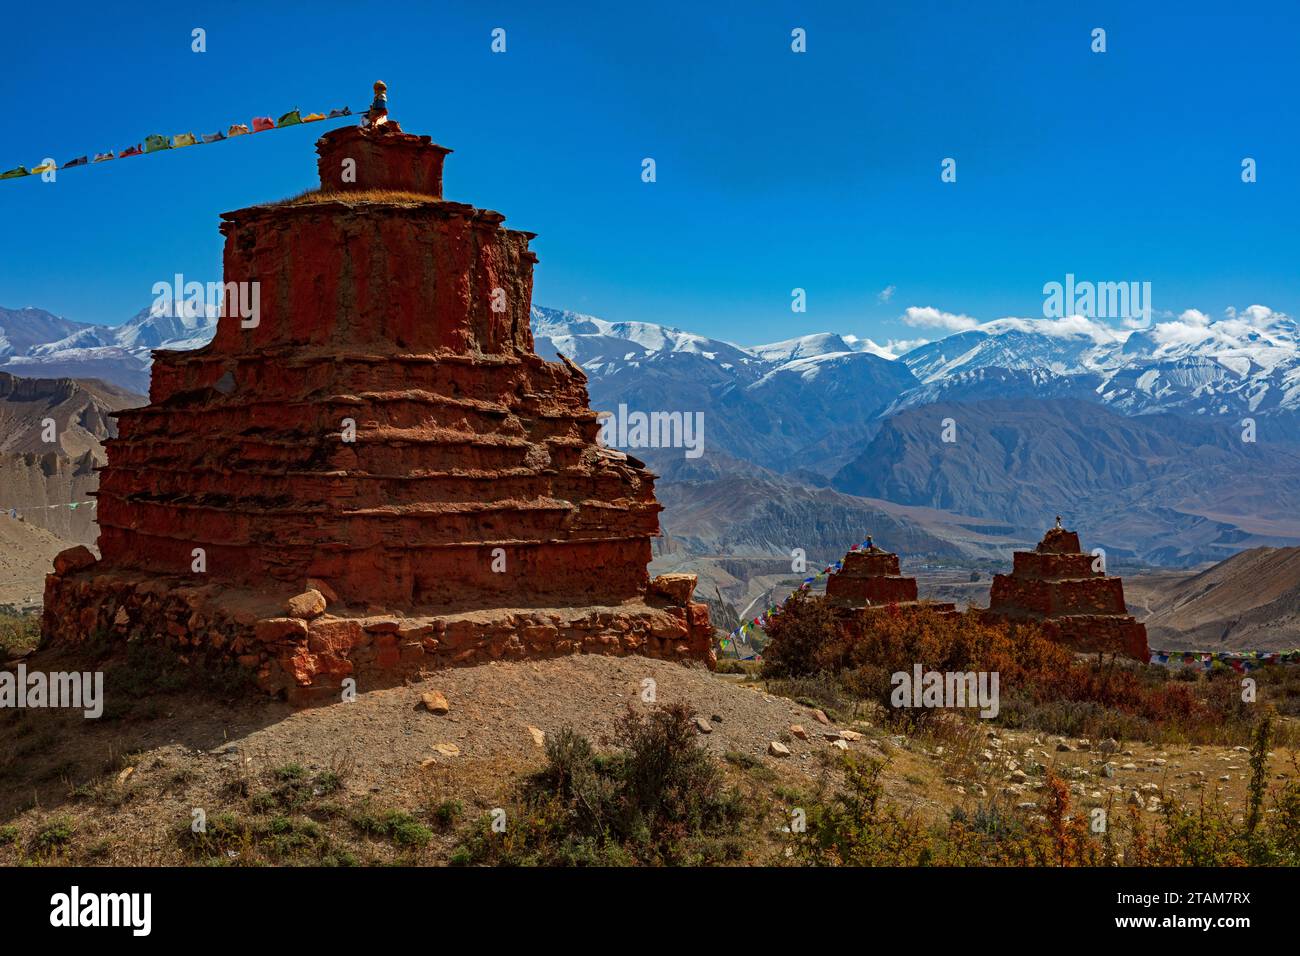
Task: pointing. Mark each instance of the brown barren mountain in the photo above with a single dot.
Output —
(1251, 601)
(36, 474)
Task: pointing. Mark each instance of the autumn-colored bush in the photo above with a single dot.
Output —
(1041, 683)
(798, 639)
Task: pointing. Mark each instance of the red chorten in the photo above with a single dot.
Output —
(1055, 584)
(869, 581)
(385, 435)
(868, 577)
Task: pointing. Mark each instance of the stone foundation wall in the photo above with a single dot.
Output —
(306, 658)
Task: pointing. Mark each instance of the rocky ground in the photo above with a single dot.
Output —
(123, 789)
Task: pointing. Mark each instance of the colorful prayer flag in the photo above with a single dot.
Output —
(184, 139)
(156, 142)
(261, 123)
(103, 157)
(213, 137)
(291, 118)
(15, 173)
(238, 129)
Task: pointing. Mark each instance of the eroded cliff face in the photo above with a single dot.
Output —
(381, 427)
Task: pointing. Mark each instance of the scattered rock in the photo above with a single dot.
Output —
(820, 717)
(852, 735)
(121, 777)
(703, 726)
(539, 737)
(308, 604)
(435, 703)
(778, 749)
(1108, 746)
(447, 750)
(840, 744)
(798, 731)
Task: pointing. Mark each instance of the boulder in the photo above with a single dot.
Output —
(307, 605)
(435, 703)
(678, 588)
(73, 560)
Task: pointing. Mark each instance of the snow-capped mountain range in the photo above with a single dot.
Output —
(1247, 363)
(1057, 415)
(36, 344)
(1244, 364)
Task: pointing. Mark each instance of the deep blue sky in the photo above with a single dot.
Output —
(775, 170)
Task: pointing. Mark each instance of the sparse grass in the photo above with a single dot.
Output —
(20, 632)
(316, 196)
(448, 812)
(54, 835)
(395, 825)
(855, 826)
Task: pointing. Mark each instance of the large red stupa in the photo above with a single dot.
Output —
(383, 434)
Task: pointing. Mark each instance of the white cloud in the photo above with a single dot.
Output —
(1070, 326)
(887, 293)
(903, 346)
(930, 317)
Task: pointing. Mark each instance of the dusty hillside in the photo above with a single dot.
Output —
(26, 554)
(1251, 601)
(317, 785)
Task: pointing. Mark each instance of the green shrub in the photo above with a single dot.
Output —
(660, 799)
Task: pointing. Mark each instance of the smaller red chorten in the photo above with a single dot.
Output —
(870, 576)
(1065, 590)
